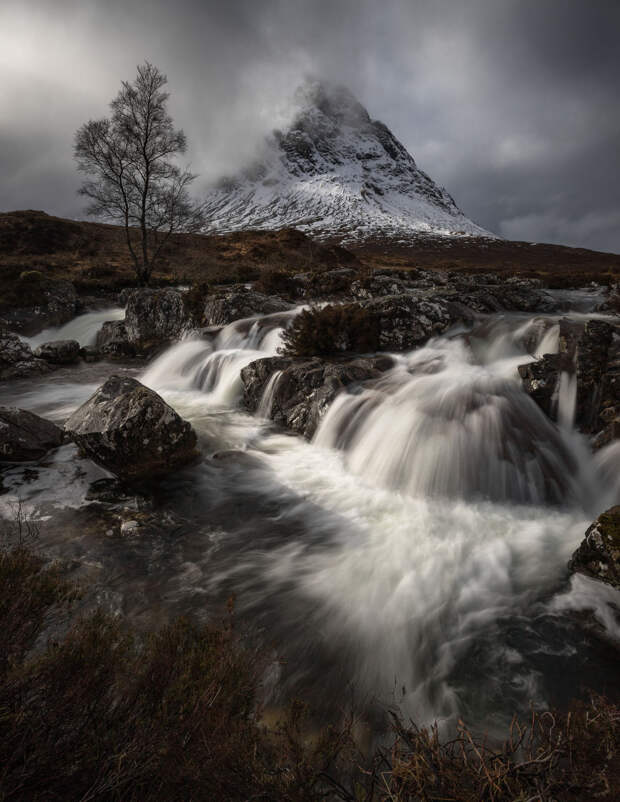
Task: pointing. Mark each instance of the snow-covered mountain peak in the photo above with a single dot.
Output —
(336, 173)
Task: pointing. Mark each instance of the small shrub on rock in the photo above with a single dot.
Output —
(331, 330)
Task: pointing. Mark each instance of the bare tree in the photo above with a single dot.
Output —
(132, 178)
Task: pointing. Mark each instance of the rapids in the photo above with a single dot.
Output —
(82, 328)
(414, 553)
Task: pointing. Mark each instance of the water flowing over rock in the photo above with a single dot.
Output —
(59, 352)
(304, 388)
(16, 357)
(438, 425)
(131, 431)
(238, 303)
(24, 436)
(588, 361)
(599, 554)
(540, 381)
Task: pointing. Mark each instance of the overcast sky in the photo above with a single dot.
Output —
(512, 105)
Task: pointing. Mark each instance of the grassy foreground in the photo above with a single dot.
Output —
(103, 713)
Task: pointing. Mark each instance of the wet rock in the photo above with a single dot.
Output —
(406, 322)
(592, 368)
(540, 380)
(155, 317)
(598, 555)
(377, 286)
(113, 340)
(238, 303)
(59, 352)
(25, 436)
(305, 388)
(131, 431)
(16, 357)
(50, 303)
(591, 352)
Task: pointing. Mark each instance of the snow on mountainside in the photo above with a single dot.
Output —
(336, 173)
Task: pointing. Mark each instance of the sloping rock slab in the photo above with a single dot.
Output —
(25, 436)
(131, 431)
(304, 388)
(238, 303)
(598, 555)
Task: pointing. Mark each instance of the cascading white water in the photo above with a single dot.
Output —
(266, 402)
(82, 328)
(413, 548)
(439, 425)
(214, 367)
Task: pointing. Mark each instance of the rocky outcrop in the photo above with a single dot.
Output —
(59, 352)
(112, 340)
(304, 388)
(598, 555)
(25, 436)
(131, 431)
(589, 351)
(540, 379)
(154, 317)
(16, 357)
(592, 362)
(405, 322)
(46, 303)
(240, 302)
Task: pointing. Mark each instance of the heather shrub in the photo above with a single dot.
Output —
(331, 330)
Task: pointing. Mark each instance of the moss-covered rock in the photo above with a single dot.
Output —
(598, 555)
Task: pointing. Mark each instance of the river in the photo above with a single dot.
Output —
(414, 554)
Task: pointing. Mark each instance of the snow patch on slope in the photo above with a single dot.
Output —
(336, 173)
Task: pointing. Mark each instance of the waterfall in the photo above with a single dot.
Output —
(213, 367)
(440, 425)
(266, 402)
(82, 328)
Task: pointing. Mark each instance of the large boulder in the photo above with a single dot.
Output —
(598, 555)
(301, 390)
(240, 302)
(405, 322)
(59, 352)
(112, 340)
(25, 436)
(131, 431)
(155, 317)
(16, 357)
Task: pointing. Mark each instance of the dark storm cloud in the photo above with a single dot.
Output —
(511, 104)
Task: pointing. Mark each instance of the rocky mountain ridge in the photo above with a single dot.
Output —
(336, 173)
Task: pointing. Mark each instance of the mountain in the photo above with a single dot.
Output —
(336, 173)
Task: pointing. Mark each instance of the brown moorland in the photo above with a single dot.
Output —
(94, 256)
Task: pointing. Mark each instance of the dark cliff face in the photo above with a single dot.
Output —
(336, 172)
